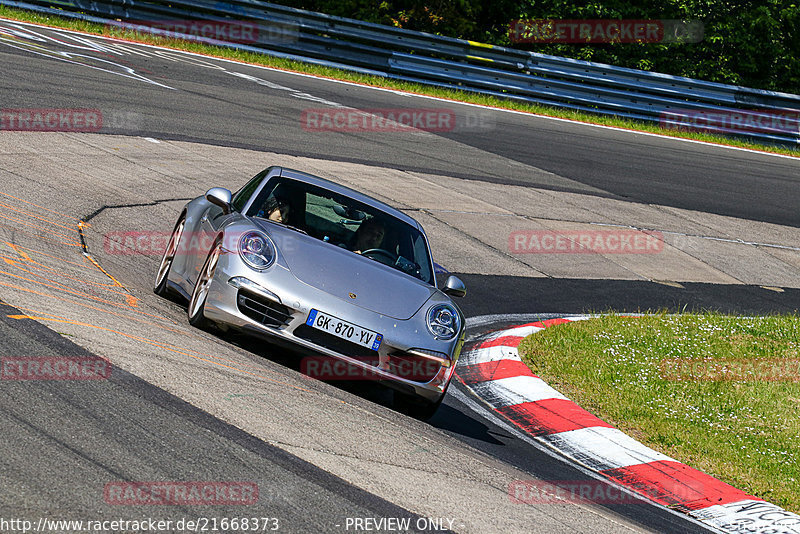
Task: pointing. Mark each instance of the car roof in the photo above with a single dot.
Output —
(352, 193)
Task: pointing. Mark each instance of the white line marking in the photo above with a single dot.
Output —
(434, 98)
(604, 448)
(515, 390)
(698, 236)
(68, 57)
(479, 407)
(750, 517)
(490, 354)
(521, 331)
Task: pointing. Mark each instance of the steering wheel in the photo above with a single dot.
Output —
(381, 253)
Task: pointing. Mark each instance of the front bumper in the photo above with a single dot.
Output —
(275, 305)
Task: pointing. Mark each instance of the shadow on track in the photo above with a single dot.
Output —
(488, 294)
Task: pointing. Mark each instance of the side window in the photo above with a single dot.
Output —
(421, 255)
(244, 194)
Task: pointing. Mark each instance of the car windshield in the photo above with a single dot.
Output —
(346, 223)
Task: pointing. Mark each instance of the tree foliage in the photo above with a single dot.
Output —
(746, 42)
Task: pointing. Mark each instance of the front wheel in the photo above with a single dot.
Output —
(198, 301)
(160, 288)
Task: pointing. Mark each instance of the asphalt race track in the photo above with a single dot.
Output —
(184, 405)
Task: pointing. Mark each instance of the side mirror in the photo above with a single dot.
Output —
(454, 287)
(219, 196)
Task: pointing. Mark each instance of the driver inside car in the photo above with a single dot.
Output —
(368, 236)
(275, 209)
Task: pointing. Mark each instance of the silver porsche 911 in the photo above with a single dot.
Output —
(295, 258)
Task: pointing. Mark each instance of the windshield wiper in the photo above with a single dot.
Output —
(295, 228)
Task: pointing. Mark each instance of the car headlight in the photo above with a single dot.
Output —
(444, 322)
(257, 250)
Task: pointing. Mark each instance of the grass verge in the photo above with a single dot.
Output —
(377, 81)
(697, 387)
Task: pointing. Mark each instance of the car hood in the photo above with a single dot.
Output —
(341, 273)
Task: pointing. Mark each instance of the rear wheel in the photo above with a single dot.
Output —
(198, 301)
(160, 288)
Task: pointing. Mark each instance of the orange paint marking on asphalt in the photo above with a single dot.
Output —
(55, 318)
(16, 247)
(129, 299)
(22, 266)
(28, 260)
(108, 312)
(64, 289)
(41, 229)
(24, 262)
(14, 218)
(23, 255)
(30, 214)
(127, 316)
(17, 228)
(132, 301)
(116, 283)
(38, 206)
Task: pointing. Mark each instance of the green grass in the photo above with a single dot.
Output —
(744, 432)
(326, 72)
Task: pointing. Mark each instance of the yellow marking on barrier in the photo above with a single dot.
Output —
(481, 45)
(481, 58)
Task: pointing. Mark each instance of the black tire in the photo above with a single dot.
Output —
(161, 287)
(197, 302)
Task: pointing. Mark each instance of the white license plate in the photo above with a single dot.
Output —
(343, 329)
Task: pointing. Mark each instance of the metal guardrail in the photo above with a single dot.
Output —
(465, 65)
